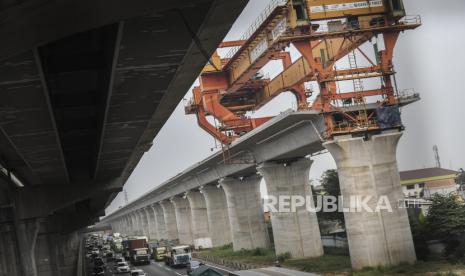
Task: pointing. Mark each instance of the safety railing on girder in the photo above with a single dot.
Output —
(254, 26)
(408, 93)
(333, 27)
(355, 126)
(410, 19)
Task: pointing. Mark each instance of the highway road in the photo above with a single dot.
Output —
(153, 269)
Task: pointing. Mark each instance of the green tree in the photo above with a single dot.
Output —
(446, 221)
(460, 179)
(330, 183)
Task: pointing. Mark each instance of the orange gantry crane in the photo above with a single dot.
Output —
(324, 32)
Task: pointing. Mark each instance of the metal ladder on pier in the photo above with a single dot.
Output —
(358, 88)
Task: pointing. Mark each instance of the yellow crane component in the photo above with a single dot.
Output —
(330, 9)
(257, 51)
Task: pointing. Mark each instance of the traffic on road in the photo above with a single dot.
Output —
(104, 257)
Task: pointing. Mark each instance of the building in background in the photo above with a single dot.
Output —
(424, 183)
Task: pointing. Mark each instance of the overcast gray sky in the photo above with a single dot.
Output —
(430, 59)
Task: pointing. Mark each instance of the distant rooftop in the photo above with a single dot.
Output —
(424, 175)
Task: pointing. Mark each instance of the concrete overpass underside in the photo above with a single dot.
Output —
(85, 88)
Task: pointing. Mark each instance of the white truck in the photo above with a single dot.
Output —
(180, 255)
(140, 256)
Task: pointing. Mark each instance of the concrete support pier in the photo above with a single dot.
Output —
(117, 227)
(296, 232)
(152, 223)
(217, 213)
(134, 224)
(145, 223)
(200, 229)
(27, 234)
(33, 247)
(57, 254)
(140, 224)
(183, 219)
(159, 219)
(169, 216)
(245, 212)
(368, 168)
(123, 225)
(9, 264)
(138, 229)
(128, 225)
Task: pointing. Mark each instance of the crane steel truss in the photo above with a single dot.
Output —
(324, 32)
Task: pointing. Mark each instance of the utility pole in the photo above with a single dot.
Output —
(436, 156)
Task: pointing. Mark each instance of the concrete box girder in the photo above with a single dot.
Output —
(298, 133)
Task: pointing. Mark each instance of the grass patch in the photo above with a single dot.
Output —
(326, 263)
(267, 257)
(336, 251)
(334, 261)
(419, 268)
(258, 256)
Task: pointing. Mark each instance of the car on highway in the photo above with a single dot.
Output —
(193, 265)
(94, 256)
(98, 271)
(137, 272)
(118, 260)
(122, 267)
(109, 256)
(99, 262)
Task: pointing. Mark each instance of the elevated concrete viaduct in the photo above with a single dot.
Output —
(222, 195)
(85, 88)
(278, 151)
